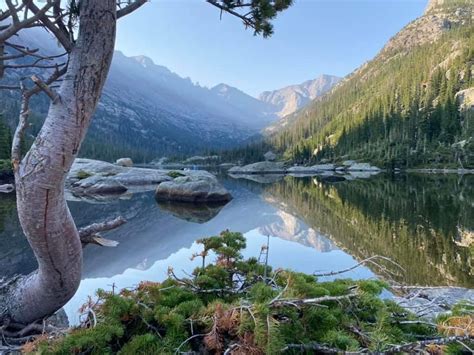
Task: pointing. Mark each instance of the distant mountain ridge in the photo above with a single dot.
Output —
(147, 111)
(294, 97)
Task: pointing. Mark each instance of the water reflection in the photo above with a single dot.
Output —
(425, 223)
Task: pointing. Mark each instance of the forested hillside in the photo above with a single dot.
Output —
(410, 106)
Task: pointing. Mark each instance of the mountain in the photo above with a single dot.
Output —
(291, 98)
(250, 107)
(411, 106)
(147, 106)
(147, 111)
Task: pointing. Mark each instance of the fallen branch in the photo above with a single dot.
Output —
(303, 348)
(423, 343)
(97, 239)
(365, 261)
(101, 227)
(311, 301)
(7, 188)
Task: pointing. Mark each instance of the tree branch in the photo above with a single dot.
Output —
(130, 8)
(424, 343)
(60, 32)
(95, 228)
(20, 129)
(53, 95)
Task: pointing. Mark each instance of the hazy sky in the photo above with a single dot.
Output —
(313, 37)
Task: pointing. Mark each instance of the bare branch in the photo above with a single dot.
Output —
(53, 95)
(422, 344)
(58, 73)
(311, 301)
(101, 227)
(10, 87)
(365, 261)
(98, 240)
(313, 347)
(14, 28)
(60, 32)
(130, 8)
(20, 129)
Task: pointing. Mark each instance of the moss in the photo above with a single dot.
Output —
(231, 302)
(174, 174)
(82, 174)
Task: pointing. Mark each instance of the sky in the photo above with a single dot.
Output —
(311, 38)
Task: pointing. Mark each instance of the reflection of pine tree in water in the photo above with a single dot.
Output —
(414, 220)
(5, 140)
(16, 257)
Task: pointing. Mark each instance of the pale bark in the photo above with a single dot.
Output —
(40, 176)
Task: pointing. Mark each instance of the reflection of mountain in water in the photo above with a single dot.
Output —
(291, 228)
(414, 220)
(425, 223)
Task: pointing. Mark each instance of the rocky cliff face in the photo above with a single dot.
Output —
(440, 16)
(291, 98)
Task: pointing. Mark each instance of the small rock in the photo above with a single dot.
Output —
(270, 156)
(125, 162)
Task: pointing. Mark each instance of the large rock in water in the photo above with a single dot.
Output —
(263, 167)
(93, 177)
(195, 187)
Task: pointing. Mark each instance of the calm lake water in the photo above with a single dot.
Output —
(424, 223)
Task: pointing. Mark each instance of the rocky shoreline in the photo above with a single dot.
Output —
(349, 167)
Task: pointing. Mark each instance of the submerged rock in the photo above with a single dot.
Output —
(265, 167)
(196, 186)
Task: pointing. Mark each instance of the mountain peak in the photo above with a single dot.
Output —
(292, 98)
(144, 61)
(432, 4)
(223, 88)
(435, 5)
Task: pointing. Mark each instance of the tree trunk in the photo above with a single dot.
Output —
(40, 177)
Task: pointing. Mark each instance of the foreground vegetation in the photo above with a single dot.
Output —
(244, 307)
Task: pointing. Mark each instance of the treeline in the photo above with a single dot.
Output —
(247, 154)
(397, 111)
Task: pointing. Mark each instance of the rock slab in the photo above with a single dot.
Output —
(95, 178)
(198, 187)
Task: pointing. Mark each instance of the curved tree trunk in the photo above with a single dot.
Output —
(40, 177)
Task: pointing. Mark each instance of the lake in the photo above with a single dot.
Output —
(423, 223)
